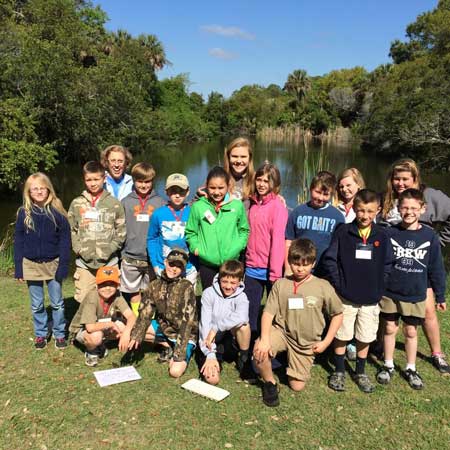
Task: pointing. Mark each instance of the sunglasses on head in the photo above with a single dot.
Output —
(177, 253)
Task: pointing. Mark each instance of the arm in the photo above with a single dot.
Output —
(206, 326)
(102, 326)
(436, 272)
(124, 340)
(64, 248)
(262, 346)
(143, 321)
(439, 205)
(330, 261)
(335, 324)
(120, 228)
(154, 243)
(277, 245)
(74, 221)
(287, 268)
(243, 228)
(19, 242)
(191, 230)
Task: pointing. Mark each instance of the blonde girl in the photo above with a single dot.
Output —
(42, 253)
(349, 182)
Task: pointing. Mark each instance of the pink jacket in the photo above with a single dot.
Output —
(266, 246)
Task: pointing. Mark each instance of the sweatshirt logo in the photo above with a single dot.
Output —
(409, 251)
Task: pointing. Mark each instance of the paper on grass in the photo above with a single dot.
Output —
(205, 389)
(115, 376)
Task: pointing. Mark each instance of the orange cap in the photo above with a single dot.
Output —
(107, 273)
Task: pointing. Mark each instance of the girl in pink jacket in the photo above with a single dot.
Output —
(265, 253)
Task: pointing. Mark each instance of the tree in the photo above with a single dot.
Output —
(299, 84)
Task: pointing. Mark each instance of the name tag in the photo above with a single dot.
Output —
(364, 251)
(91, 214)
(209, 216)
(142, 218)
(296, 303)
(104, 320)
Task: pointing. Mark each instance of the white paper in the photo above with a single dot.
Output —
(296, 303)
(115, 376)
(363, 254)
(205, 389)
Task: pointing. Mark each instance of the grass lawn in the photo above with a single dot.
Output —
(50, 400)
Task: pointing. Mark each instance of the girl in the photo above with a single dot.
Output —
(404, 174)
(217, 228)
(349, 182)
(42, 253)
(265, 250)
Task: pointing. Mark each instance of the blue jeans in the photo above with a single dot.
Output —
(36, 290)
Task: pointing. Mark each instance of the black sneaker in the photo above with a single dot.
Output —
(441, 364)
(165, 355)
(60, 343)
(40, 343)
(385, 375)
(337, 381)
(270, 394)
(364, 383)
(413, 379)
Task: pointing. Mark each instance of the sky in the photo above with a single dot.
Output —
(224, 45)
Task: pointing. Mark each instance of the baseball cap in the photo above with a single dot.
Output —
(178, 255)
(177, 179)
(107, 273)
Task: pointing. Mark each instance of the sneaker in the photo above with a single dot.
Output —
(441, 364)
(60, 343)
(246, 372)
(40, 343)
(270, 394)
(165, 355)
(414, 379)
(351, 352)
(385, 375)
(337, 381)
(364, 383)
(90, 359)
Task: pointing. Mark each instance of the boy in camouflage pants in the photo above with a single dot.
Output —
(97, 223)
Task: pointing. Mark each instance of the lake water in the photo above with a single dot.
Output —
(195, 160)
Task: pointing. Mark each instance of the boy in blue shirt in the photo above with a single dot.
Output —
(417, 262)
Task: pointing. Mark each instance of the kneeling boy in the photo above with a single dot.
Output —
(103, 316)
(224, 309)
(293, 321)
(175, 327)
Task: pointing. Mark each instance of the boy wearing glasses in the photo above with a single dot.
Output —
(171, 299)
(167, 226)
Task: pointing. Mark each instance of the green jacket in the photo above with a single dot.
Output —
(98, 233)
(221, 238)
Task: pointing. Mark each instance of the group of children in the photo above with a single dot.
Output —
(342, 268)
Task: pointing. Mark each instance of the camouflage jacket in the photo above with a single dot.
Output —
(98, 232)
(176, 312)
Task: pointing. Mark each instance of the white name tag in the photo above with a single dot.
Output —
(210, 216)
(91, 214)
(296, 303)
(363, 254)
(142, 218)
(106, 319)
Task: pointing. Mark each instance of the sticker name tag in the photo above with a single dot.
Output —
(104, 320)
(91, 214)
(364, 251)
(296, 303)
(142, 218)
(209, 216)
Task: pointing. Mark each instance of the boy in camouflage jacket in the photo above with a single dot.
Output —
(175, 326)
(97, 223)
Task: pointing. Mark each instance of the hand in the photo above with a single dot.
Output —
(20, 280)
(319, 347)
(201, 191)
(441, 306)
(114, 329)
(133, 344)
(262, 350)
(124, 341)
(196, 252)
(211, 368)
(210, 339)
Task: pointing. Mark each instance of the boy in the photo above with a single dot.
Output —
(357, 264)
(224, 309)
(97, 223)
(418, 261)
(101, 317)
(176, 325)
(167, 225)
(293, 321)
(139, 206)
(316, 219)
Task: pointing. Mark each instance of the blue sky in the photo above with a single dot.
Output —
(223, 46)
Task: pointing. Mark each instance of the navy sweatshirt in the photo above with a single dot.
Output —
(46, 242)
(417, 260)
(360, 281)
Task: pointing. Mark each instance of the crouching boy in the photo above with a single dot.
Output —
(293, 321)
(175, 326)
(224, 310)
(103, 316)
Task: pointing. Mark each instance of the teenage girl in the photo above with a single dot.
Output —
(217, 229)
(42, 253)
(265, 249)
(349, 182)
(404, 174)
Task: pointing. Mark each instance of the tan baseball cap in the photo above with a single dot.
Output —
(177, 179)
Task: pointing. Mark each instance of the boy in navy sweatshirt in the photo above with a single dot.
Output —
(357, 264)
(417, 262)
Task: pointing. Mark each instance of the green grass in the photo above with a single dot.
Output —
(50, 400)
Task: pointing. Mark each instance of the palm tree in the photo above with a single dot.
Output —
(154, 50)
(298, 83)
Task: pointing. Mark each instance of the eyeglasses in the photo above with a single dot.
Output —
(38, 189)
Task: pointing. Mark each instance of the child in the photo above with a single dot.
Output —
(357, 263)
(293, 321)
(103, 316)
(316, 219)
(97, 222)
(139, 206)
(42, 253)
(224, 309)
(167, 226)
(264, 256)
(175, 326)
(418, 261)
(217, 229)
(349, 182)
(115, 159)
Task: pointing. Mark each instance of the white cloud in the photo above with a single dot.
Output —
(228, 32)
(221, 53)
